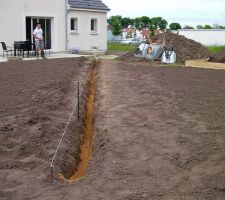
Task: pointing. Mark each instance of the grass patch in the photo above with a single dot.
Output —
(120, 47)
(215, 49)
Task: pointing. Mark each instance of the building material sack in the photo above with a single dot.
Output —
(168, 56)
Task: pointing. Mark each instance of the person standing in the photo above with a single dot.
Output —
(39, 40)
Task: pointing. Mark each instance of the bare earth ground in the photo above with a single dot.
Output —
(159, 133)
(36, 101)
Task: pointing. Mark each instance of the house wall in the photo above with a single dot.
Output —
(136, 34)
(111, 37)
(205, 36)
(83, 39)
(13, 19)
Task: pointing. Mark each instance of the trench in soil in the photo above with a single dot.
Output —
(87, 134)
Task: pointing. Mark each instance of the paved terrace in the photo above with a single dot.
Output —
(63, 55)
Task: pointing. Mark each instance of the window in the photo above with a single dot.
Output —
(74, 24)
(93, 25)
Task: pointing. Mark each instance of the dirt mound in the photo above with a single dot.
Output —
(220, 57)
(185, 48)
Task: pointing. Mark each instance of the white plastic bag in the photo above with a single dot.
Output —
(168, 57)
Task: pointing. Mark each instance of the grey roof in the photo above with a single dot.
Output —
(88, 4)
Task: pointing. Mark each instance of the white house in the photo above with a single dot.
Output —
(131, 32)
(66, 23)
(205, 36)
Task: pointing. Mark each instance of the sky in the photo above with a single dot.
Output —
(185, 12)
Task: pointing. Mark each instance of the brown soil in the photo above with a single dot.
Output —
(37, 98)
(185, 48)
(159, 131)
(220, 57)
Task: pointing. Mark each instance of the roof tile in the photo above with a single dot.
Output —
(88, 4)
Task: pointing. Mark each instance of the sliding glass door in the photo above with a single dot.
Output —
(45, 25)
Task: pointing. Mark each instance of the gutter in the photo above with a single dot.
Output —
(90, 10)
(66, 26)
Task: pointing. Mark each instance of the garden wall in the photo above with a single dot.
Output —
(205, 36)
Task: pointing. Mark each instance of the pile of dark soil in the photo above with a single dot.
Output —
(185, 48)
(220, 57)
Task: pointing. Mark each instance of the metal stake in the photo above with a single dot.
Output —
(51, 167)
(78, 100)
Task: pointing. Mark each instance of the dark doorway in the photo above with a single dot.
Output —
(45, 25)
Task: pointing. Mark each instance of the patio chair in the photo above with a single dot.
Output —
(30, 48)
(6, 49)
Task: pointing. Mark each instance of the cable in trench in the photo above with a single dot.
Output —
(87, 135)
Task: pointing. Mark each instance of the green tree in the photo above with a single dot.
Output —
(145, 21)
(159, 22)
(188, 27)
(216, 26)
(162, 24)
(175, 26)
(141, 22)
(207, 26)
(199, 27)
(152, 29)
(137, 22)
(112, 18)
(126, 21)
(116, 26)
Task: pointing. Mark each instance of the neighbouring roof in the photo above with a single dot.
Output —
(88, 4)
(129, 30)
(147, 32)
